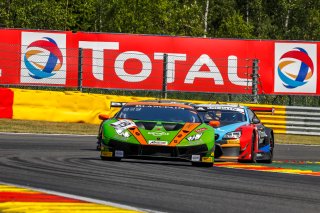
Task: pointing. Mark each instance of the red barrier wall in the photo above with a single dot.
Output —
(6, 102)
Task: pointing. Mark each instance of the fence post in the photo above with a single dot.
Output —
(165, 73)
(255, 69)
(80, 60)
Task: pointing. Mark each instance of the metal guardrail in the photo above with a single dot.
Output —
(303, 120)
(293, 120)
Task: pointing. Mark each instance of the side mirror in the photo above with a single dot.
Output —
(103, 117)
(214, 124)
(255, 120)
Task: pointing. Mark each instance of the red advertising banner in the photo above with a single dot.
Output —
(10, 55)
(194, 64)
(48, 58)
(199, 64)
(136, 62)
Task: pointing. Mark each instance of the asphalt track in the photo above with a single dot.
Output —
(70, 164)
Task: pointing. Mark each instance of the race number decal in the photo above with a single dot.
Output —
(122, 125)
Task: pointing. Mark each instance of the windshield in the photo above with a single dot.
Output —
(159, 113)
(224, 116)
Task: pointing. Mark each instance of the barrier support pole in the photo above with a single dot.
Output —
(255, 76)
(164, 80)
(80, 61)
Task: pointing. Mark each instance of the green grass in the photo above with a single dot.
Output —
(26, 126)
(297, 139)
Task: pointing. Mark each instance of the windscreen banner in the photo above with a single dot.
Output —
(150, 62)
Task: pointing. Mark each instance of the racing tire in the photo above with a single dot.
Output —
(98, 146)
(201, 164)
(269, 161)
(110, 158)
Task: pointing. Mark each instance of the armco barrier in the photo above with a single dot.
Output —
(303, 120)
(276, 119)
(81, 107)
(293, 120)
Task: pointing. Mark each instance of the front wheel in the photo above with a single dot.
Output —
(98, 145)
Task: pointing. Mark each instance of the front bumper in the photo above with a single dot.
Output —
(128, 150)
(228, 151)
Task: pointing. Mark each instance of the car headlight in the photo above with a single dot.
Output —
(194, 137)
(232, 135)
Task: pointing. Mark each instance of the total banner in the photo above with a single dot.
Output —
(138, 62)
(38, 58)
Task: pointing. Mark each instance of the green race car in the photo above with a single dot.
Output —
(155, 130)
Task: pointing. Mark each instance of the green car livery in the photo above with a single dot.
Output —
(152, 130)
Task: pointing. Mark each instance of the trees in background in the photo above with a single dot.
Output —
(259, 19)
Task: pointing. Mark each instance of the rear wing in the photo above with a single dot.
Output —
(263, 109)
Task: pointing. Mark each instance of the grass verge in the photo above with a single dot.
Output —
(26, 126)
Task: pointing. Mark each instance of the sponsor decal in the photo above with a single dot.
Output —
(158, 133)
(194, 137)
(159, 106)
(234, 141)
(122, 125)
(200, 130)
(295, 68)
(43, 58)
(230, 108)
(207, 159)
(119, 153)
(106, 154)
(156, 142)
(195, 158)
